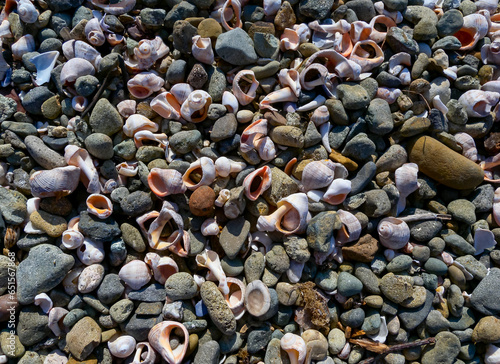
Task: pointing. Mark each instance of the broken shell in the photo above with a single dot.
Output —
(406, 183)
(127, 169)
(393, 233)
(483, 239)
(79, 103)
(25, 44)
(159, 338)
(137, 122)
(204, 166)
(70, 282)
(144, 354)
(316, 175)
(127, 107)
(492, 355)
(468, 145)
(164, 182)
(80, 158)
(210, 227)
(251, 134)
(79, 49)
(257, 182)
(44, 301)
(271, 7)
(158, 238)
(389, 94)
(289, 218)
(377, 23)
(99, 205)
(166, 105)
(27, 11)
(290, 78)
(195, 108)
(337, 191)
(121, 346)
(72, 239)
(163, 267)
(245, 95)
(56, 316)
(60, 181)
(313, 75)
(146, 53)
(351, 227)
(90, 252)
(478, 103)
(225, 166)
(266, 148)
(475, 28)
(144, 84)
(74, 68)
(210, 259)
(44, 64)
(289, 40)
(230, 102)
(336, 63)
(360, 31)
(143, 135)
(94, 33)
(114, 8)
(236, 297)
(365, 59)
(224, 195)
(257, 298)
(281, 95)
(202, 49)
(295, 346)
(496, 206)
(135, 274)
(231, 10)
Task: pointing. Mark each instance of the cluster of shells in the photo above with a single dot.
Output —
(315, 57)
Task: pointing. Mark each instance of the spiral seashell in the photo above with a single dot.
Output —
(27, 11)
(121, 346)
(320, 116)
(290, 78)
(159, 338)
(99, 205)
(376, 35)
(210, 227)
(336, 63)
(245, 95)
(79, 49)
(60, 181)
(80, 158)
(389, 94)
(137, 122)
(74, 68)
(94, 33)
(295, 347)
(337, 191)
(114, 39)
(290, 217)
(206, 167)
(468, 145)
(317, 174)
(114, 8)
(231, 10)
(361, 57)
(225, 166)
(126, 107)
(394, 233)
(202, 49)
(144, 354)
(360, 31)
(252, 133)
(90, 252)
(281, 95)
(195, 108)
(351, 227)
(475, 28)
(406, 183)
(55, 322)
(72, 239)
(257, 182)
(257, 298)
(210, 259)
(25, 44)
(313, 75)
(144, 84)
(79, 103)
(44, 64)
(163, 267)
(236, 297)
(166, 105)
(230, 102)
(135, 274)
(164, 182)
(289, 40)
(44, 302)
(478, 103)
(224, 195)
(146, 53)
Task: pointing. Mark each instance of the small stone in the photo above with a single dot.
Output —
(320, 230)
(132, 237)
(379, 118)
(185, 141)
(396, 288)
(136, 203)
(219, 311)
(103, 230)
(83, 338)
(121, 310)
(463, 211)
(233, 236)
(363, 9)
(236, 47)
(363, 250)
(100, 146)
(42, 154)
(110, 289)
(105, 118)
(400, 41)
(152, 18)
(224, 127)
(197, 77)
(414, 126)
(277, 259)
(208, 353)
(179, 12)
(487, 330)
(289, 136)
(445, 349)
(181, 286)
(201, 202)
(266, 45)
(209, 28)
(348, 285)
(486, 296)
(353, 97)
(34, 98)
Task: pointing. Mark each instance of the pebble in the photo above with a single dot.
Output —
(42, 154)
(219, 312)
(105, 118)
(83, 338)
(100, 146)
(348, 285)
(224, 127)
(180, 286)
(236, 47)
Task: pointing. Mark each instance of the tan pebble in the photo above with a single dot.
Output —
(52, 225)
(346, 162)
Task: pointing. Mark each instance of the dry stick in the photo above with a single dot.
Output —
(96, 97)
(399, 347)
(422, 96)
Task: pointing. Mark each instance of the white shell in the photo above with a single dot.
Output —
(56, 315)
(207, 167)
(135, 274)
(27, 11)
(393, 233)
(295, 346)
(290, 217)
(70, 282)
(56, 181)
(202, 49)
(492, 355)
(236, 297)
(195, 108)
(44, 301)
(99, 205)
(44, 64)
(406, 183)
(163, 267)
(144, 84)
(25, 44)
(210, 227)
(257, 298)
(90, 252)
(483, 239)
(230, 102)
(121, 346)
(74, 68)
(210, 259)
(317, 174)
(79, 49)
(337, 191)
(247, 96)
(479, 103)
(225, 166)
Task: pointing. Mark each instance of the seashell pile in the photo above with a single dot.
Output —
(236, 181)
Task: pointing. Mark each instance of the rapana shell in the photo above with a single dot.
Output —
(90, 252)
(337, 191)
(257, 298)
(74, 68)
(79, 157)
(144, 84)
(290, 78)
(210, 259)
(475, 28)
(164, 182)
(121, 346)
(155, 234)
(99, 205)
(137, 122)
(468, 145)
(257, 182)
(136, 274)
(94, 33)
(225, 166)
(406, 182)
(144, 354)
(60, 181)
(202, 49)
(44, 64)
(290, 217)
(351, 227)
(317, 174)
(479, 103)
(181, 91)
(204, 166)
(376, 35)
(393, 233)
(163, 267)
(289, 40)
(490, 53)
(313, 75)
(236, 297)
(295, 346)
(166, 105)
(231, 10)
(245, 95)
(25, 44)
(252, 133)
(195, 108)
(159, 338)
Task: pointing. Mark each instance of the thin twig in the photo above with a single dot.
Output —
(96, 97)
(397, 347)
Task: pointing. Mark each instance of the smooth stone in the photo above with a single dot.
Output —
(180, 11)
(379, 118)
(83, 338)
(462, 210)
(277, 259)
(363, 178)
(12, 206)
(487, 330)
(10, 345)
(224, 127)
(353, 318)
(396, 288)
(121, 310)
(288, 136)
(176, 73)
(448, 43)
(473, 266)
(111, 289)
(400, 263)
(320, 230)
(258, 339)
(436, 322)
(102, 230)
(400, 41)
(185, 141)
(266, 45)
(436, 266)
(482, 198)
(360, 148)
(485, 298)
(459, 245)
(105, 118)
(139, 326)
(444, 351)
(42, 154)
(363, 9)
(281, 186)
(132, 237)
(236, 47)
(377, 203)
(233, 236)
(336, 341)
(136, 203)
(327, 280)
(180, 286)
(32, 326)
(412, 317)
(34, 98)
(371, 324)
(353, 97)
(208, 353)
(348, 285)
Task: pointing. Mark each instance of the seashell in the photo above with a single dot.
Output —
(294, 273)
(144, 84)
(318, 101)
(320, 115)
(155, 234)
(364, 59)
(290, 78)
(181, 244)
(468, 145)
(230, 102)
(231, 10)
(360, 31)
(324, 131)
(25, 44)
(303, 31)
(225, 166)
(44, 301)
(94, 33)
(492, 355)
(127, 107)
(79, 49)
(27, 11)
(289, 40)
(316, 175)
(396, 16)
(266, 148)
(146, 53)
(127, 169)
(337, 191)
(159, 338)
(224, 195)
(144, 135)
(137, 122)
(206, 167)
(195, 108)
(114, 39)
(289, 218)
(257, 298)
(99, 205)
(295, 346)
(144, 354)
(281, 95)
(475, 28)
(496, 206)
(164, 182)
(44, 64)
(80, 158)
(438, 104)
(135, 274)
(342, 26)
(121, 346)
(79, 103)
(393, 233)
(376, 22)
(114, 8)
(163, 267)
(210, 259)
(406, 183)
(60, 181)
(90, 252)
(245, 95)
(494, 23)
(257, 182)
(336, 63)
(478, 103)
(313, 75)
(397, 63)
(166, 105)
(271, 7)
(351, 227)
(56, 316)
(202, 49)
(181, 91)
(72, 239)
(389, 94)
(236, 297)
(483, 239)
(251, 134)
(383, 332)
(210, 227)
(490, 53)
(90, 278)
(74, 68)
(70, 282)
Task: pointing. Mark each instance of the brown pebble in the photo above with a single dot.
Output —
(197, 77)
(346, 162)
(285, 18)
(492, 143)
(363, 251)
(201, 202)
(261, 27)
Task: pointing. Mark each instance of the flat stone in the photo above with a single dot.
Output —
(363, 250)
(486, 296)
(236, 47)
